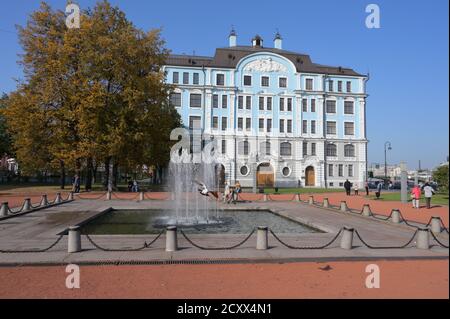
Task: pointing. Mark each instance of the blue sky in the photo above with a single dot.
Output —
(408, 57)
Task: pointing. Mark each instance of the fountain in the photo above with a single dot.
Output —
(188, 205)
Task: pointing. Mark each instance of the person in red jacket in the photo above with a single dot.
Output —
(415, 194)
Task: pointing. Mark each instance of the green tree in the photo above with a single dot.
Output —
(440, 176)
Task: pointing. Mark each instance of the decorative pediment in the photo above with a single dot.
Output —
(265, 65)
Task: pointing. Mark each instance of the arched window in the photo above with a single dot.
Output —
(331, 150)
(285, 149)
(349, 150)
(265, 148)
(244, 148)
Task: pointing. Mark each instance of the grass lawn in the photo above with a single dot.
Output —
(302, 190)
(39, 188)
(438, 199)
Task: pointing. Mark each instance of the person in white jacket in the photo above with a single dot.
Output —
(428, 192)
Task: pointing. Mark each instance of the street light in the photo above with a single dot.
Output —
(389, 147)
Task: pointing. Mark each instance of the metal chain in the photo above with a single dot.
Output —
(303, 247)
(217, 248)
(385, 247)
(437, 240)
(146, 245)
(269, 196)
(442, 224)
(95, 198)
(383, 219)
(33, 251)
(117, 197)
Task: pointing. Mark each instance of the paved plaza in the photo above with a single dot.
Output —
(278, 272)
(37, 230)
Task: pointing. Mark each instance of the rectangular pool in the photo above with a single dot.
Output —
(123, 222)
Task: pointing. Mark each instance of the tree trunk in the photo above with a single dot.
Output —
(106, 173)
(63, 174)
(94, 173)
(115, 175)
(89, 168)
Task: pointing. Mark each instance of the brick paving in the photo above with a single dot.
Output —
(398, 279)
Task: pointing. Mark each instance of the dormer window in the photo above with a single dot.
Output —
(257, 41)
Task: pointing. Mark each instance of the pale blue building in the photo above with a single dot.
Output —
(278, 118)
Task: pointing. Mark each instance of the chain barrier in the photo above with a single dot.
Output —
(383, 218)
(438, 241)
(442, 224)
(305, 247)
(146, 245)
(33, 250)
(95, 198)
(386, 247)
(217, 248)
(269, 196)
(117, 197)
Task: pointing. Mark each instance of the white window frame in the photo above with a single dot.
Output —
(287, 82)
(224, 78)
(354, 128)
(260, 81)
(312, 79)
(326, 128)
(243, 82)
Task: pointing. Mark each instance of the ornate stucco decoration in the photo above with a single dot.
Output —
(265, 65)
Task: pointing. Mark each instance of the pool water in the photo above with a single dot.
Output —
(123, 222)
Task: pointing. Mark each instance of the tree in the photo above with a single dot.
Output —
(91, 95)
(5, 138)
(440, 176)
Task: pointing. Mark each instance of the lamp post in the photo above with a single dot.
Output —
(389, 147)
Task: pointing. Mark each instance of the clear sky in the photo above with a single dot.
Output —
(408, 57)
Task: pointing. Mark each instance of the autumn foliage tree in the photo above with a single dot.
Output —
(93, 95)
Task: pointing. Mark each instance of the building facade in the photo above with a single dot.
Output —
(277, 118)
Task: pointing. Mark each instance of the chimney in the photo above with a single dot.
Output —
(232, 38)
(257, 41)
(278, 41)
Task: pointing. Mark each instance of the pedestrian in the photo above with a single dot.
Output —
(226, 192)
(378, 192)
(428, 192)
(135, 188)
(347, 186)
(130, 186)
(76, 184)
(356, 189)
(415, 194)
(366, 186)
(237, 190)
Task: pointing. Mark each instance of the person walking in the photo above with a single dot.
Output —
(135, 187)
(226, 192)
(415, 194)
(378, 192)
(428, 192)
(366, 186)
(237, 190)
(347, 186)
(76, 184)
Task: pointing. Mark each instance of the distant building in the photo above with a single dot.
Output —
(279, 119)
